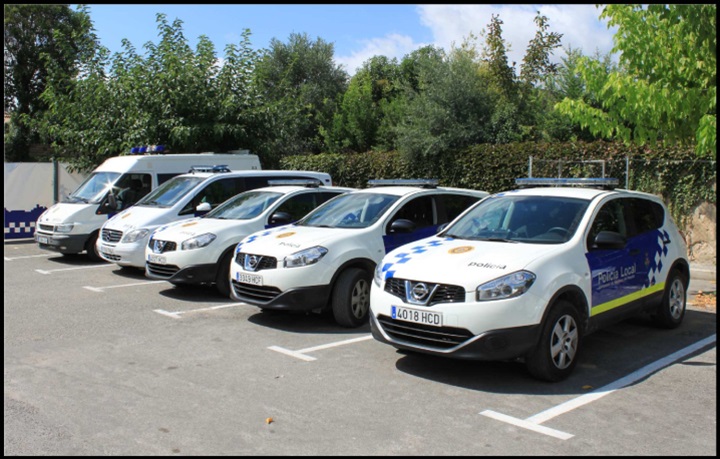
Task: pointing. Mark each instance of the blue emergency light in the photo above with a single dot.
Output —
(147, 149)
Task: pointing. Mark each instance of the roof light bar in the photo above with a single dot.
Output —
(219, 168)
(423, 183)
(147, 149)
(604, 183)
(309, 183)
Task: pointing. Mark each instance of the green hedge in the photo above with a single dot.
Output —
(676, 174)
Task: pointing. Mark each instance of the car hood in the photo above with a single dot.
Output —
(180, 231)
(285, 240)
(137, 217)
(463, 262)
(64, 213)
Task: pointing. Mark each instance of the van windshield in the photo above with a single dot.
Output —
(170, 192)
(352, 210)
(94, 188)
(245, 205)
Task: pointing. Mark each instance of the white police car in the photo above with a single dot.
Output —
(528, 273)
(198, 251)
(326, 260)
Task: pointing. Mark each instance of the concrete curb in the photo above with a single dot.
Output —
(704, 272)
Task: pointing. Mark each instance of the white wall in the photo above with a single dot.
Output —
(29, 192)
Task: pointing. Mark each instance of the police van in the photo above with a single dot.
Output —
(72, 225)
(529, 273)
(123, 237)
(198, 251)
(325, 261)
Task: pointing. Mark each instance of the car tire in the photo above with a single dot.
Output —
(222, 278)
(91, 248)
(671, 311)
(351, 298)
(556, 354)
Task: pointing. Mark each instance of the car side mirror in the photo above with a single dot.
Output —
(609, 240)
(402, 225)
(204, 207)
(280, 218)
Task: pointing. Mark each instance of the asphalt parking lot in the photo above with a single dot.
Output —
(103, 361)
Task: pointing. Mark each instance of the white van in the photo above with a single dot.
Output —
(123, 237)
(73, 225)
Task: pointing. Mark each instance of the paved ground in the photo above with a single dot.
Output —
(102, 361)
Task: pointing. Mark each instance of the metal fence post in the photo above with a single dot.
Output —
(627, 172)
(55, 184)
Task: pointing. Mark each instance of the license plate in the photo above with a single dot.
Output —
(108, 250)
(417, 316)
(43, 240)
(253, 279)
(159, 259)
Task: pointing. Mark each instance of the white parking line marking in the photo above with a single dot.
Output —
(533, 422)
(49, 271)
(301, 353)
(28, 256)
(178, 314)
(102, 289)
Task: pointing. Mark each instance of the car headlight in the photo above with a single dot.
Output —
(135, 235)
(64, 227)
(305, 257)
(378, 277)
(198, 241)
(509, 286)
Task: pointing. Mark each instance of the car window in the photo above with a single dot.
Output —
(299, 205)
(419, 210)
(351, 210)
(450, 206)
(610, 217)
(648, 215)
(245, 205)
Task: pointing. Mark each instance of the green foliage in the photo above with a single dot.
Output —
(42, 42)
(172, 95)
(666, 91)
(301, 85)
(676, 174)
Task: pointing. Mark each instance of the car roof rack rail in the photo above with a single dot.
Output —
(308, 183)
(216, 168)
(602, 183)
(422, 183)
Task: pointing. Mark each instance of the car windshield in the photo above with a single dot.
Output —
(352, 210)
(169, 192)
(245, 205)
(515, 218)
(94, 188)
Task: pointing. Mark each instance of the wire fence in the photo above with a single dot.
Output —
(683, 184)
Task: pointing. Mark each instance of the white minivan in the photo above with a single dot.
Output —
(123, 237)
(72, 226)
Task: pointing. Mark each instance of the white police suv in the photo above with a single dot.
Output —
(198, 251)
(528, 273)
(326, 260)
(124, 236)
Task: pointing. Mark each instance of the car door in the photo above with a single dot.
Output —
(421, 212)
(618, 268)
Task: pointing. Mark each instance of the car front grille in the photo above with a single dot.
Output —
(255, 292)
(443, 294)
(166, 271)
(262, 262)
(110, 256)
(425, 335)
(48, 228)
(113, 236)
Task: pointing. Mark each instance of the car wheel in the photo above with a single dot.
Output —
(91, 248)
(222, 279)
(351, 298)
(671, 311)
(555, 356)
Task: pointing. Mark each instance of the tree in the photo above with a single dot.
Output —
(301, 86)
(172, 95)
(666, 90)
(41, 41)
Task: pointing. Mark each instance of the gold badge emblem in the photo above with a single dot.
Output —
(280, 236)
(189, 224)
(463, 249)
